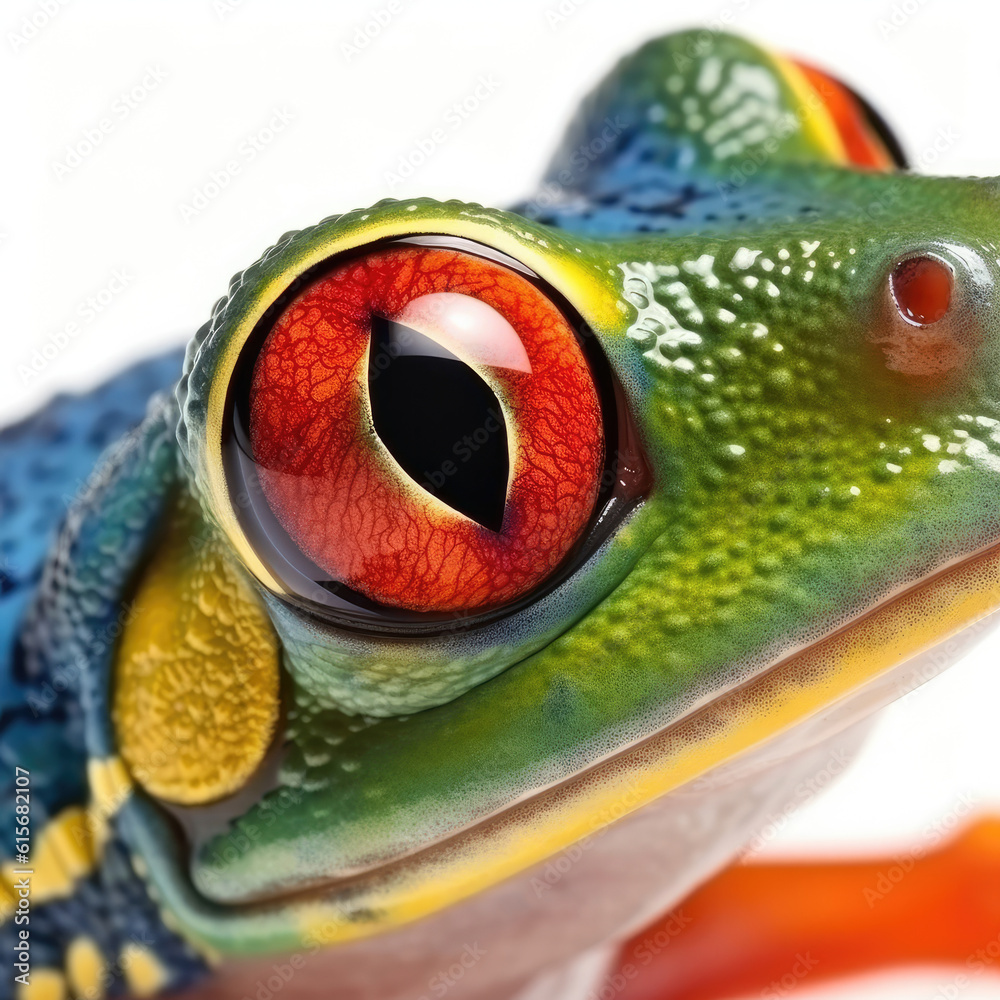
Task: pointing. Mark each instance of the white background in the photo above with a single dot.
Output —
(226, 68)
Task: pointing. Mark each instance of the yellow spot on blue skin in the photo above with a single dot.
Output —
(45, 984)
(8, 901)
(110, 785)
(143, 972)
(85, 968)
(63, 853)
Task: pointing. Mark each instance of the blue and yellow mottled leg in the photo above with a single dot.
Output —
(93, 929)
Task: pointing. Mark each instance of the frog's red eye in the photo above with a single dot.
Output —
(426, 429)
(922, 289)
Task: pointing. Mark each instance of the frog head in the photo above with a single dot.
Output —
(497, 530)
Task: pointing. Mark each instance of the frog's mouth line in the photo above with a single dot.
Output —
(855, 660)
(814, 667)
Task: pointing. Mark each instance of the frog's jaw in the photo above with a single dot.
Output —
(549, 914)
(805, 701)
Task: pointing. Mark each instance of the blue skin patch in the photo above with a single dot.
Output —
(46, 460)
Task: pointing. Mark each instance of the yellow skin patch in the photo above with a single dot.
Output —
(45, 984)
(143, 971)
(110, 786)
(197, 673)
(85, 968)
(69, 847)
(815, 118)
(63, 853)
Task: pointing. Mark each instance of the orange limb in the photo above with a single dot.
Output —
(765, 929)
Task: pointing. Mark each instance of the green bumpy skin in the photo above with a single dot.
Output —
(807, 464)
(800, 481)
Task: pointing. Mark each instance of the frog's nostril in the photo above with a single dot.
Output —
(927, 326)
(922, 289)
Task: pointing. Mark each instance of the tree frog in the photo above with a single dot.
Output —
(479, 581)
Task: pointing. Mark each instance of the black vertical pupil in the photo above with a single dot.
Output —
(439, 420)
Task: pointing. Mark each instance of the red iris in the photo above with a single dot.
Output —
(336, 489)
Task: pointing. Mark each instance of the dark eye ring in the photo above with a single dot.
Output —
(621, 483)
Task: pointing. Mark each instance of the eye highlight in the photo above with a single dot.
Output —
(922, 289)
(426, 429)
